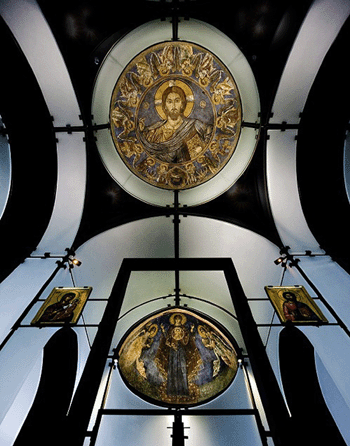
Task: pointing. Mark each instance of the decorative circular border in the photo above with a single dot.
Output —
(113, 65)
(152, 346)
(175, 146)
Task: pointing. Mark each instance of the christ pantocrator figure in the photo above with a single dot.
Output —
(176, 139)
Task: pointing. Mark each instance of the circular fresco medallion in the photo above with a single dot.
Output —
(177, 358)
(175, 115)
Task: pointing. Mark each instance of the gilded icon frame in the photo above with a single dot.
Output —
(54, 312)
(298, 308)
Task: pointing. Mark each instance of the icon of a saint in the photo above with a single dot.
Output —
(61, 311)
(297, 311)
(177, 138)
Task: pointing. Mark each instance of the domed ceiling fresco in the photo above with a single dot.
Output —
(264, 31)
(175, 115)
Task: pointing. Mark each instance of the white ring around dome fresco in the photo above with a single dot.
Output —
(121, 54)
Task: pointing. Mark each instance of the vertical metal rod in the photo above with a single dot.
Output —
(86, 392)
(175, 21)
(103, 404)
(257, 414)
(283, 274)
(71, 275)
(176, 222)
(271, 397)
(70, 267)
(178, 431)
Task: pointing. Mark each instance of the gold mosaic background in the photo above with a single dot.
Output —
(177, 358)
(175, 115)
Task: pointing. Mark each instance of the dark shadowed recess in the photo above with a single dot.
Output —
(33, 156)
(45, 421)
(311, 421)
(320, 152)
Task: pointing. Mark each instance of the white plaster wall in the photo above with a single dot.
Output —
(283, 192)
(333, 350)
(334, 399)
(251, 253)
(332, 281)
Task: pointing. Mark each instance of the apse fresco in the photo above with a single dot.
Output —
(175, 115)
(177, 358)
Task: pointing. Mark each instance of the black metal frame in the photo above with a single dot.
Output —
(85, 396)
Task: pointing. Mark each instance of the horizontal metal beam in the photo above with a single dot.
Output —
(183, 412)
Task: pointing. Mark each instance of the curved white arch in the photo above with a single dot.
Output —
(316, 35)
(321, 26)
(41, 50)
(252, 254)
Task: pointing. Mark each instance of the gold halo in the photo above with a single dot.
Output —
(151, 328)
(183, 318)
(172, 82)
(202, 328)
(281, 292)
